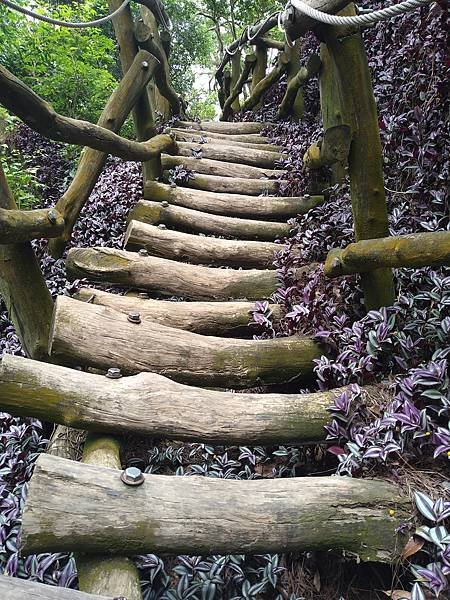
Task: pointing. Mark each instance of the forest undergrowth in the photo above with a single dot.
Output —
(403, 434)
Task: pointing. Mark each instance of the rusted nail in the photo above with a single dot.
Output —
(134, 317)
(114, 373)
(52, 215)
(132, 476)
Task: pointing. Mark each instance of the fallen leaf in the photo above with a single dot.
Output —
(398, 594)
(413, 545)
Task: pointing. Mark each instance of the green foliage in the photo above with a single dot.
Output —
(70, 68)
(22, 180)
(203, 106)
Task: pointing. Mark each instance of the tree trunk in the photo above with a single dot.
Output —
(245, 128)
(234, 154)
(96, 336)
(232, 102)
(207, 318)
(215, 167)
(23, 288)
(193, 249)
(413, 250)
(151, 405)
(190, 281)
(72, 506)
(229, 185)
(187, 219)
(92, 161)
(233, 205)
(12, 588)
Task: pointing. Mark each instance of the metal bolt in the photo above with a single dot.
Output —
(134, 317)
(306, 196)
(164, 204)
(114, 373)
(132, 476)
(162, 226)
(143, 296)
(173, 185)
(144, 64)
(52, 215)
(143, 252)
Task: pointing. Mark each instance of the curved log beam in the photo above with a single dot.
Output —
(255, 157)
(229, 185)
(193, 249)
(12, 588)
(92, 161)
(245, 128)
(206, 166)
(265, 84)
(24, 225)
(297, 23)
(40, 116)
(304, 74)
(413, 250)
(207, 318)
(189, 281)
(232, 205)
(155, 213)
(74, 506)
(151, 405)
(334, 148)
(271, 43)
(228, 107)
(96, 336)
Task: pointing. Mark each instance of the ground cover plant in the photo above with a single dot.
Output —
(402, 350)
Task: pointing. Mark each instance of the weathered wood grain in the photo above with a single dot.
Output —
(197, 137)
(207, 318)
(150, 404)
(187, 219)
(12, 588)
(222, 127)
(24, 225)
(200, 250)
(97, 336)
(230, 185)
(250, 138)
(235, 154)
(206, 166)
(71, 505)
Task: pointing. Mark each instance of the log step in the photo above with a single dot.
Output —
(206, 166)
(232, 154)
(232, 205)
(100, 337)
(152, 405)
(229, 185)
(223, 127)
(251, 138)
(249, 141)
(12, 588)
(73, 506)
(207, 318)
(163, 276)
(187, 219)
(193, 249)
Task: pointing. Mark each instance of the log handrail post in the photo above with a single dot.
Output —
(260, 68)
(365, 164)
(236, 70)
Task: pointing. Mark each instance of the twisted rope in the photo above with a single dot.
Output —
(73, 25)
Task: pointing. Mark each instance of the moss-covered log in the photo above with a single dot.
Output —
(92, 161)
(365, 161)
(259, 91)
(269, 208)
(155, 213)
(413, 250)
(256, 157)
(193, 249)
(206, 166)
(25, 225)
(207, 318)
(97, 336)
(97, 574)
(152, 405)
(75, 506)
(230, 105)
(129, 269)
(196, 137)
(12, 588)
(240, 128)
(23, 289)
(299, 23)
(303, 75)
(333, 148)
(40, 116)
(260, 66)
(229, 185)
